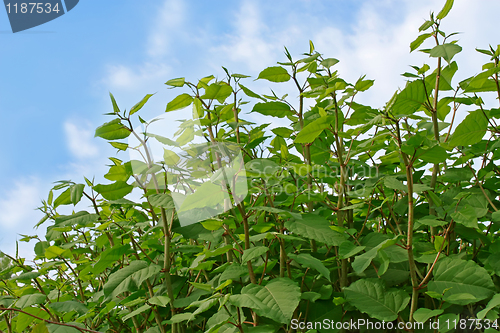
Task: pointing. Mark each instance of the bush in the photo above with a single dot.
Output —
(383, 217)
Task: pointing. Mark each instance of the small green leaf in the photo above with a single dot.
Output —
(179, 82)
(253, 252)
(180, 102)
(417, 42)
(114, 191)
(274, 74)
(139, 105)
(113, 130)
(275, 109)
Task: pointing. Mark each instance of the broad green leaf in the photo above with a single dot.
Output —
(139, 105)
(29, 300)
(348, 249)
(471, 130)
(317, 228)
(371, 297)
(114, 130)
(455, 276)
(436, 154)
(109, 256)
(274, 74)
(121, 280)
(81, 218)
(281, 297)
(180, 317)
(446, 9)
(145, 273)
(25, 319)
(275, 109)
(446, 51)
(247, 301)
(114, 191)
(410, 99)
(233, 272)
(253, 252)
(180, 102)
(329, 62)
(309, 261)
(310, 132)
(466, 216)
(161, 200)
(69, 306)
(218, 91)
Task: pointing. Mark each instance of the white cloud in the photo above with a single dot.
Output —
(132, 78)
(170, 18)
(80, 140)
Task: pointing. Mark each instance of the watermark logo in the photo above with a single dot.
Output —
(204, 176)
(24, 14)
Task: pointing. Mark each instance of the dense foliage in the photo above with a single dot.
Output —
(388, 215)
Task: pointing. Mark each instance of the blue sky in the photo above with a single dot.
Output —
(55, 78)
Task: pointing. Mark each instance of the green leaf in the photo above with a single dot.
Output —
(116, 109)
(446, 51)
(180, 102)
(114, 130)
(493, 303)
(63, 199)
(114, 191)
(410, 99)
(436, 154)
(274, 74)
(137, 311)
(30, 299)
(329, 62)
(281, 297)
(139, 105)
(162, 301)
(253, 252)
(54, 252)
(69, 306)
(446, 9)
(423, 314)
(170, 157)
(218, 91)
(146, 273)
(179, 82)
(309, 261)
(250, 93)
(466, 216)
(309, 133)
(371, 297)
(455, 276)
(161, 200)
(471, 130)
(76, 193)
(362, 261)
(40, 328)
(275, 109)
(417, 42)
(121, 280)
(317, 228)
